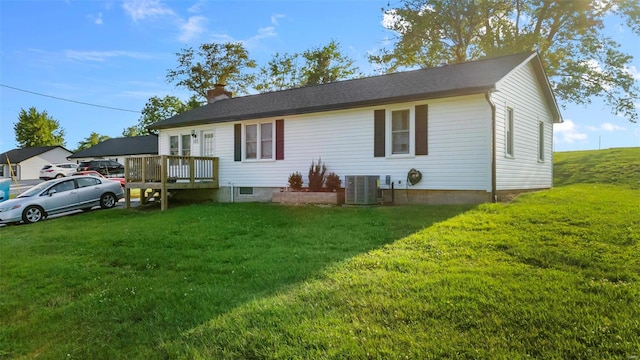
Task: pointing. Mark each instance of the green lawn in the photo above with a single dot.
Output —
(554, 274)
(619, 166)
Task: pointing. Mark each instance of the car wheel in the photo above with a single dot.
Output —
(108, 201)
(59, 176)
(32, 214)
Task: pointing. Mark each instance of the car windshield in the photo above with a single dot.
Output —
(34, 190)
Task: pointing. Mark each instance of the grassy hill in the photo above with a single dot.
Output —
(554, 274)
(619, 166)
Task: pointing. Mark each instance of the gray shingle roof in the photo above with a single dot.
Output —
(19, 155)
(135, 145)
(451, 80)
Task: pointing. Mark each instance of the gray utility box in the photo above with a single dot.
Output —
(361, 189)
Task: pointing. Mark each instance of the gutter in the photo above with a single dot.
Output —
(494, 195)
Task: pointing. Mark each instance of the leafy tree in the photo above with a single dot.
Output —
(131, 131)
(93, 139)
(281, 73)
(211, 64)
(326, 64)
(36, 128)
(157, 109)
(320, 66)
(581, 61)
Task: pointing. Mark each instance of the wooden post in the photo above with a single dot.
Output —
(163, 192)
(127, 197)
(191, 170)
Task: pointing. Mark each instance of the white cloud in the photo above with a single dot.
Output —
(96, 19)
(141, 9)
(634, 72)
(197, 7)
(263, 33)
(275, 17)
(101, 56)
(567, 132)
(193, 27)
(609, 127)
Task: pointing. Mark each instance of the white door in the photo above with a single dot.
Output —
(207, 143)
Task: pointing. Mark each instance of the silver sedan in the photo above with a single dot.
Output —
(61, 195)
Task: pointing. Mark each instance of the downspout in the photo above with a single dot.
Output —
(494, 195)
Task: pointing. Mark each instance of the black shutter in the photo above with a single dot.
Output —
(378, 133)
(421, 130)
(279, 139)
(237, 142)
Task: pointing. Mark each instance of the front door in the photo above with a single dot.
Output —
(207, 143)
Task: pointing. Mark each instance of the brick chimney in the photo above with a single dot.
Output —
(217, 93)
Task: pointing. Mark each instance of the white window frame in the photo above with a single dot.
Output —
(389, 132)
(180, 150)
(509, 129)
(259, 156)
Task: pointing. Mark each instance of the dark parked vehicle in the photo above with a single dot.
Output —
(104, 167)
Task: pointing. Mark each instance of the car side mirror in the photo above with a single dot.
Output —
(52, 191)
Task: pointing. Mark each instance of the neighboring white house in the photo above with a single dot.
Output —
(25, 164)
(118, 149)
(474, 131)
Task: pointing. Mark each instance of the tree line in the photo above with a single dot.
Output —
(580, 59)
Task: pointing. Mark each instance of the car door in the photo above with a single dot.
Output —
(61, 197)
(89, 191)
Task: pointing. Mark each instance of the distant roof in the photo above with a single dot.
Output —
(133, 145)
(19, 155)
(450, 80)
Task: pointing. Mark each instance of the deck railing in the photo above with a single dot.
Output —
(171, 169)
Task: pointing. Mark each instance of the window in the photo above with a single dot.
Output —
(262, 135)
(62, 187)
(509, 128)
(1, 170)
(541, 141)
(266, 141)
(186, 145)
(400, 132)
(394, 136)
(85, 182)
(245, 191)
(173, 145)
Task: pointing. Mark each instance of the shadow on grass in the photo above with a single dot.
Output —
(163, 273)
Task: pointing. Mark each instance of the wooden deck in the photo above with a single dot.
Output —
(163, 173)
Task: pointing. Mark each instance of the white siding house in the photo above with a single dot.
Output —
(25, 164)
(449, 123)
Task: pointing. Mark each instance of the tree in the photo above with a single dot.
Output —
(36, 128)
(581, 61)
(281, 73)
(93, 139)
(212, 64)
(157, 109)
(321, 65)
(326, 64)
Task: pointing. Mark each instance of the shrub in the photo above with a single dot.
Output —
(332, 182)
(316, 175)
(295, 181)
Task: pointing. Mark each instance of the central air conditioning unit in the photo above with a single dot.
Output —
(361, 189)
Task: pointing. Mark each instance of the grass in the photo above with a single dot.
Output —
(141, 278)
(618, 166)
(554, 274)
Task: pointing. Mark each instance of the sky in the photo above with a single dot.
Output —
(58, 56)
